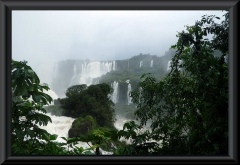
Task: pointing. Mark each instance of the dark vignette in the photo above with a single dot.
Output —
(6, 7)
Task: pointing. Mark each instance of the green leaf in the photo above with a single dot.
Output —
(64, 138)
(36, 97)
(53, 137)
(45, 137)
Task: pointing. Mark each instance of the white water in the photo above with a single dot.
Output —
(151, 65)
(114, 96)
(52, 94)
(95, 69)
(129, 98)
(61, 124)
(89, 73)
(169, 63)
(74, 74)
(85, 73)
(141, 63)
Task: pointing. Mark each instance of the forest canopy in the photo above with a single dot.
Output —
(189, 108)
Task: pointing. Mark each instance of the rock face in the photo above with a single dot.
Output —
(82, 126)
(73, 72)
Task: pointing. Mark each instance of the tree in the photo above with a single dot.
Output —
(28, 113)
(27, 109)
(189, 108)
(93, 100)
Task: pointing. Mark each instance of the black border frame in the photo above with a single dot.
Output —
(6, 7)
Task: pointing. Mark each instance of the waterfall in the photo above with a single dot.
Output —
(61, 124)
(52, 94)
(74, 74)
(141, 63)
(169, 63)
(128, 94)
(94, 70)
(151, 65)
(96, 81)
(114, 96)
(168, 66)
(180, 62)
(129, 98)
(55, 72)
(114, 65)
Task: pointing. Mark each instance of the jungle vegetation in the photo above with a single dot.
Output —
(188, 108)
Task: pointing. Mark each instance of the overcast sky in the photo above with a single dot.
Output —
(45, 37)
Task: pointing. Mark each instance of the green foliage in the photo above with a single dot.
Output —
(189, 108)
(130, 69)
(101, 137)
(75, 90)
(92, 100)
(82, 126)
(141, 143)
(28, 112)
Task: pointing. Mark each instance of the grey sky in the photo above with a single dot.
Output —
(45, 37)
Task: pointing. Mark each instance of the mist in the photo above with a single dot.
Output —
(45, 37)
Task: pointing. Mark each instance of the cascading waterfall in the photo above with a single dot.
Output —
(114, 96)
(52, 94)
(96, 81)
(141, 63)
(129, 98)
(74, 74)
(114, 65)
(151, 65)
(169, 64)
(93, 70)
(55, 72)
(61, 124)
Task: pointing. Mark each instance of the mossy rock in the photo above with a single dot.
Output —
(82, 126)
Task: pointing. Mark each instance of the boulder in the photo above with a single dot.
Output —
(82, 126)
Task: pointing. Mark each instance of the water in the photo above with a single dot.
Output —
(114, 96)
(141, 63)
(169, 64)
(52, 94)
(87, 72)
(74, 74)
(60, 126)
(129, 98)
(151, 65)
